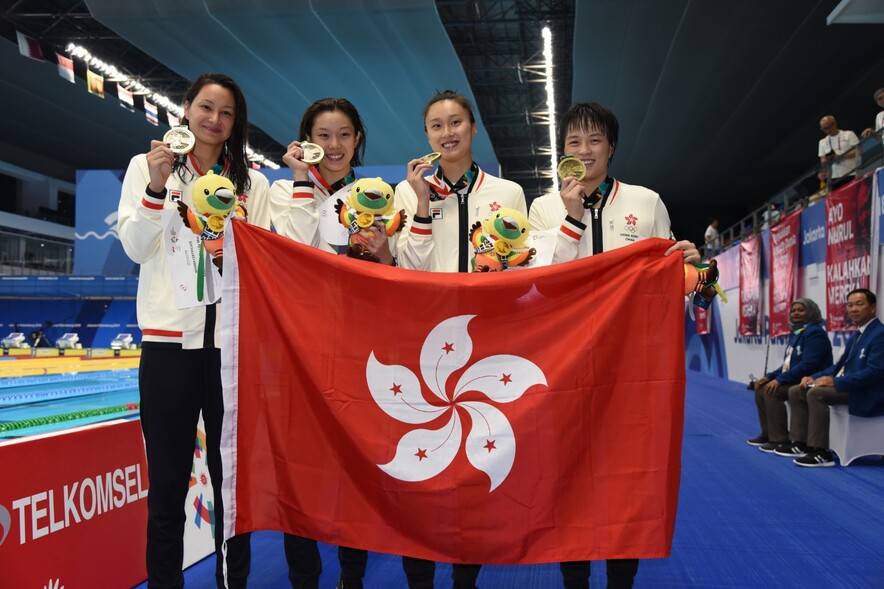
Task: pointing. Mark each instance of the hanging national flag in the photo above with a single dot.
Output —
(173, 120)
(29, 47)
(95, 83)
(518, 417)
(150, 113)
(126, 99)
(65, 67)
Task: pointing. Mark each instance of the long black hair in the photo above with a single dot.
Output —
(235, 146)
(330, 105)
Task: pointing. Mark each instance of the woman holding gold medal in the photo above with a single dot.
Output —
(442, 206)
(180, 370)
(322, 162)
(594, 213)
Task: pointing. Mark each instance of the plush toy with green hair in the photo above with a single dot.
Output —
(369, 203)
(214, 199)
(499, 241)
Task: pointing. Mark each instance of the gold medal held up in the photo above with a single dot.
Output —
(180, 139)
(365, 220)
(571, 167)
(431, 158)
(216, 223)
(313, 153)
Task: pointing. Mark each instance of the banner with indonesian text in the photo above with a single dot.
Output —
(848, 247)
(783, 265)
(750, 286)
(516, 417)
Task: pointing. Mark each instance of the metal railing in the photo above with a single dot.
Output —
(869, 155)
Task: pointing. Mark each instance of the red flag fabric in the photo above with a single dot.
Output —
(127, 100)
(848, 247)
(783, 262)
(29, 46)
(65, 67)
(517, 417)
(750, 286)
(151, 113)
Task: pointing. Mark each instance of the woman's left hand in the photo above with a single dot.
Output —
(688, 249)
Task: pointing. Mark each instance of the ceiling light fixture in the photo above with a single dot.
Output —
(136, 87)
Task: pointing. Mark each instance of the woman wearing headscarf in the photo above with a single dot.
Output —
(808, 352)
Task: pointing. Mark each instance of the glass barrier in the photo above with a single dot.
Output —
(27, 254)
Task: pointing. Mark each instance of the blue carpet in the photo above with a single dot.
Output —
(746, 519)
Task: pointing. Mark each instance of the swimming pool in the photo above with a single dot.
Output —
(32, 405)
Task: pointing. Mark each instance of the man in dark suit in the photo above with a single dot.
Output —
(856, 380)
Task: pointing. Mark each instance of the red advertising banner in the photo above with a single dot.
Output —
(492, 418)
(704, 320)
(783, 266)
(73, 508)
(750, 286)
(848, 247)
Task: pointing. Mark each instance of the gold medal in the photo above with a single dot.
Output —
(571, 167)
(180, 139)
(215, 223)
(502, 248)
(313, 153)
(365, 220)
(431, 158)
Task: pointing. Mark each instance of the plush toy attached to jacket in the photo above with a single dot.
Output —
(499, 241)
(214, 199)
(370, 202)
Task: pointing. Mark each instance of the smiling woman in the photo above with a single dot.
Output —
(179, 374)
(443, 205)
(335, 125)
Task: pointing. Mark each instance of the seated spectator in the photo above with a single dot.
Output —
(857, 380)
(838, 151)
(823, 177)
(809, 351)
(879, 119)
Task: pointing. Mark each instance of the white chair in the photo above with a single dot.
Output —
(851, 436)
(16, 339)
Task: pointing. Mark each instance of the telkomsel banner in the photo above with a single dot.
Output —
(784, 261)
(750, 286)
(73, 508)
(848, 246)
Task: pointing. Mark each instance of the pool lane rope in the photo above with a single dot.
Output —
(50, 419)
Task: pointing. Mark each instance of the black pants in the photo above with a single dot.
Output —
(175, 384)
(305, 564)
(621, 573)
(420, 573)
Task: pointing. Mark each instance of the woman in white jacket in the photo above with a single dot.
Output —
(336, 126)
(180, 371)
(442, 206)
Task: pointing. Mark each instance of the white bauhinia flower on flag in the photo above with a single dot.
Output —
(490, 443)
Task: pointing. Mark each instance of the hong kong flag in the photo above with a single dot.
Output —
(517, 417)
